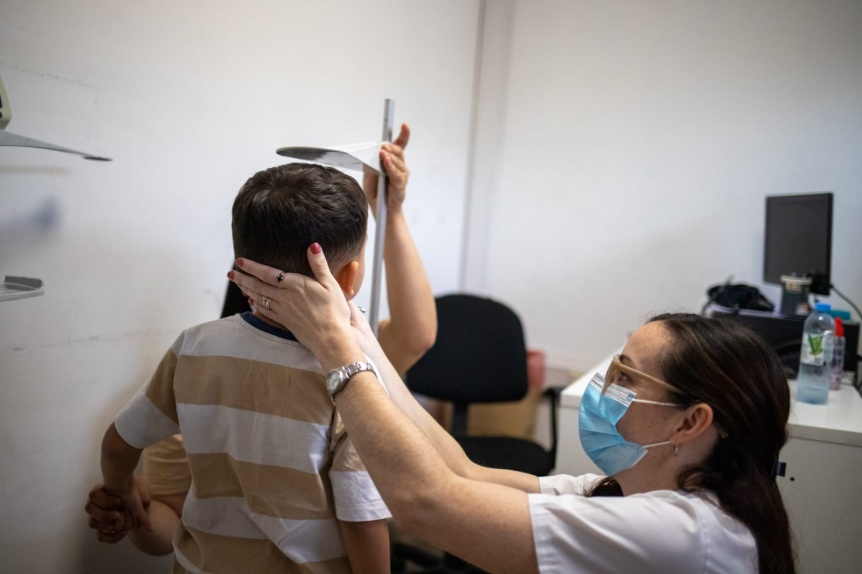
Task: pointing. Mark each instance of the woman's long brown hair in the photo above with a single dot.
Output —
(720, 362)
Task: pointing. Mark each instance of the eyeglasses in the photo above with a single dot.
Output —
(616, 367)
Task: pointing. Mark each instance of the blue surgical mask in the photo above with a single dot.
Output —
(599, 414)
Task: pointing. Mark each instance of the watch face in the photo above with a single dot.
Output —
(333, 380)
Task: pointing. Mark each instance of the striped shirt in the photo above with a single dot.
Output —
(272, 466)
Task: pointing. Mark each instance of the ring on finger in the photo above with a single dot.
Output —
(266, 301)
(279, 279)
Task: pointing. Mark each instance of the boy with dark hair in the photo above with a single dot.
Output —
(280, 211)
(276, 482)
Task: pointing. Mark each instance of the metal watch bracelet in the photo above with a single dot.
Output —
(338, 378)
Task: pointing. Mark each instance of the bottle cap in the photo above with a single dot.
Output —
(839, 327)
(822, 307)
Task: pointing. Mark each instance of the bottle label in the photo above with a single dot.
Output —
(815, 351)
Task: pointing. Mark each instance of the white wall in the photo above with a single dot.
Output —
(189, 99)
(621, 154)
(638, 142)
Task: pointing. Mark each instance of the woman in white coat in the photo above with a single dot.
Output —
(687, 425)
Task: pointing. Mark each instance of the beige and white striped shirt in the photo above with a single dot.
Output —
(272, 467)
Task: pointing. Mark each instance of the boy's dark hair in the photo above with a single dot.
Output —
(282, 210)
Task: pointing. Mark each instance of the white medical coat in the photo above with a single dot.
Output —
(666, 532)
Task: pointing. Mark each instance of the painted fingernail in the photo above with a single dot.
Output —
(315, 248)
(240, 262)
(230, 275)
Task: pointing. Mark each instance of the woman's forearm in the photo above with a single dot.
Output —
(412, 327)
(486, 524)
(448, 449)
(446, 446)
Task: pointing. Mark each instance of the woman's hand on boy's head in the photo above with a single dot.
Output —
(392, 158)
(314, 310)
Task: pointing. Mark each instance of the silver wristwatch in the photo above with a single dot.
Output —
(337, 379)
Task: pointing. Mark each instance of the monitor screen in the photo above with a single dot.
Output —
(798, 239)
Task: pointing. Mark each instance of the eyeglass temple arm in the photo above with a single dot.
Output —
(636, 373)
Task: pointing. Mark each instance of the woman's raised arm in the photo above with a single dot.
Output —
(419, 472)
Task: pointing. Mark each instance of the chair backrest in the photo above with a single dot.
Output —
(480, 354)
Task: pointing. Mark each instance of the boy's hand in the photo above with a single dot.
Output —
(392, 160)
(104, 510)
(135, 503)
(113, 515)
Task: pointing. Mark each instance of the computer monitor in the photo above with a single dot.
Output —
(798, 239)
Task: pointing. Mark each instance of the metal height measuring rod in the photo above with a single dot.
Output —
(380, 229)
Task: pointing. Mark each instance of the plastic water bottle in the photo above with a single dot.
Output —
(815, 358)
(838, 356)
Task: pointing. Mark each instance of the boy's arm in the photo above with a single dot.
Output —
(163, 521)
(367, 545)
(166, 469)
(119, 460)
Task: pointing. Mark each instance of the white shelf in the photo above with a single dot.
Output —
(20, 288)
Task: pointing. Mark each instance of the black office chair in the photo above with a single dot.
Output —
(480, 356)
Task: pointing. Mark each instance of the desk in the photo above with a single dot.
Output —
(823, 487)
